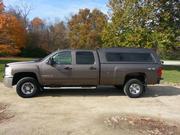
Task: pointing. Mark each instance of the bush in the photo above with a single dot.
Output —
(7, 50)
(170, 55)
(33, 52)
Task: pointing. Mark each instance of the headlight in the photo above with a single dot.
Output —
(8, 71)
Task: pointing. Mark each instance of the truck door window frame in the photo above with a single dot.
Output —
(71, 58)
(90, 63)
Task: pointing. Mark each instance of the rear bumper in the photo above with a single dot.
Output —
(8, 81)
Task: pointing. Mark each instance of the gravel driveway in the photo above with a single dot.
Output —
(103, 111)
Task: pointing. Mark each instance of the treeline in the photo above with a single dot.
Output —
(129, 23)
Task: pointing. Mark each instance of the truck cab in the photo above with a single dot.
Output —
(70, 68)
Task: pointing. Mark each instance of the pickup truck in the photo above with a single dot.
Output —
(129, 69)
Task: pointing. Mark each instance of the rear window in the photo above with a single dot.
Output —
(128, 57)
(84, 58)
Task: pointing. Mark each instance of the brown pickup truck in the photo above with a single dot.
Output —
(130, 69)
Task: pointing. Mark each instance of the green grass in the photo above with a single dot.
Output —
(171, 73)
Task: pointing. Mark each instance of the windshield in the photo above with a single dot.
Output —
(42, 59)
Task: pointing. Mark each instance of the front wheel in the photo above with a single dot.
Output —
(27, 87)
(134, 88)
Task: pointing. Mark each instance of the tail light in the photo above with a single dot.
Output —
(160, 71)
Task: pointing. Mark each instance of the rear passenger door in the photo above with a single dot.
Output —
(86, 68)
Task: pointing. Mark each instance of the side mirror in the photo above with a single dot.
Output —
(51, 61)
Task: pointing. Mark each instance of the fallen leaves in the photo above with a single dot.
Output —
(144, 125)
(4, 116)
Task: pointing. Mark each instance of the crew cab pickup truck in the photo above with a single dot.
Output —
(130, 69)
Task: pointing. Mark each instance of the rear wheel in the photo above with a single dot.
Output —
(134, 88)
(27, 87)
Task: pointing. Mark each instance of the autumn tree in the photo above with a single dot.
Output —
(35, 33)
(58, 36)
(85, 28)
(12, 34)
(21, 11)
(37, 24)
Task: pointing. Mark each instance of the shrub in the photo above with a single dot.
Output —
(33, 52)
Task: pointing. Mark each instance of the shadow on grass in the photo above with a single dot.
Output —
(159, 91)
(152, 91)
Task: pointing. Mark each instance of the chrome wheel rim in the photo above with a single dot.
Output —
(135, 88)
(27, 88)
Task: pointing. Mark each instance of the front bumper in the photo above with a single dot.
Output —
(8, 81)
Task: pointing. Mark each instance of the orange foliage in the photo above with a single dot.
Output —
(12, 34)
(37, 22)
(7, 49)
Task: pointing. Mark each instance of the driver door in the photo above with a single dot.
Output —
(59, 73)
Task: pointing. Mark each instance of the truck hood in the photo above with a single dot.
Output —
(21, 63)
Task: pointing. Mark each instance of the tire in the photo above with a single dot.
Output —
(120, 87)
(27, 87)
(134, 88)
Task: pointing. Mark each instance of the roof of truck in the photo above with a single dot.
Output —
(117, 49)
(113, 49)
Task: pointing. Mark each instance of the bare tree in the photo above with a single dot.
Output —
(21, 11)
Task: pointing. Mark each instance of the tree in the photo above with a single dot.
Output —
(137, 23)
(58, 36)
(85, 28)
(37, 24)
(12, 34)
(1, 6)
(21, 11)
(35, 33)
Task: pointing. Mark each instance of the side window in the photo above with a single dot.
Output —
(63, 58)
(129, 57)
(85, 58)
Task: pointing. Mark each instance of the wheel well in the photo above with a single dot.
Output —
(139, 76)
(21, 75)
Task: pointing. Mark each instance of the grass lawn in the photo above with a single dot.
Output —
(171, 73)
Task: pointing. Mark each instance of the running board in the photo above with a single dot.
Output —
(49, 88)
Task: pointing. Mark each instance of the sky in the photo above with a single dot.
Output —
(52, 10)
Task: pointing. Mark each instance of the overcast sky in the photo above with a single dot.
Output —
(58, 9)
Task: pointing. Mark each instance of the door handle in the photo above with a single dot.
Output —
(92, 68)
(68, 68)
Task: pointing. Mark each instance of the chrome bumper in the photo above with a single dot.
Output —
(7, 81)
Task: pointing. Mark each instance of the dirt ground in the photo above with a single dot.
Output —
(105, 111)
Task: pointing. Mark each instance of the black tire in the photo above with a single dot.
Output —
(21, 83)
(120, 87)
(130, 92)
